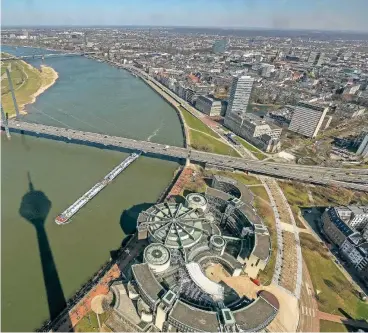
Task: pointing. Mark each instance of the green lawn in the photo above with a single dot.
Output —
(258, 153)
(330, 326)
(89, 322)
(204, 142)
(242, 177)
(197, 124)
(260, 191)
(336, 292)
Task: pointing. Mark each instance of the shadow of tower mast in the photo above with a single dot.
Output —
(35, 207)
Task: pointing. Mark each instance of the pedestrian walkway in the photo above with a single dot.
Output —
(308, 311)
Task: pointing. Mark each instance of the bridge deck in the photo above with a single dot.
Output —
(350, 178)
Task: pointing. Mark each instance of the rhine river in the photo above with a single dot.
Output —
(44, 177)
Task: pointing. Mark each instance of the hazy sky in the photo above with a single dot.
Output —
(285, 14)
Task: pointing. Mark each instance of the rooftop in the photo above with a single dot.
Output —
(200, 320)
(255, 315)
(262, 246)
(147, 281)
(340, 224)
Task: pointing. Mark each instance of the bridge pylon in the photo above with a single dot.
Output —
(4, 121)
(12, 93)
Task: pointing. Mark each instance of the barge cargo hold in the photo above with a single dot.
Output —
(66, 215)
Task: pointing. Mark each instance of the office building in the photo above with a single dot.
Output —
(334, 227)
(265, 136)
(208, 106)
(241, 89)
(307, 119)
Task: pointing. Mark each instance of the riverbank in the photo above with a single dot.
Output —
(79, 306)
(28, 83)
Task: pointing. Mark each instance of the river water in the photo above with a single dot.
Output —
(43, 177)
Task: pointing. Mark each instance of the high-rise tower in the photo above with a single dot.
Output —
(241, 89)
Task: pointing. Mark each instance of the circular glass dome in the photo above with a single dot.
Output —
(156, 254)
(175, 225)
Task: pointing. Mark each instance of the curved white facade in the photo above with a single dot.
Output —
(197, 201)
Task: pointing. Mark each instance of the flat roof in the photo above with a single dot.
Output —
(249, 212)
(257, 314)
(218, 194)
(147, 281)
(262, 246)
(200, 320)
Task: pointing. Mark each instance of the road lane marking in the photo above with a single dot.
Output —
(309, 311)
(314, 313)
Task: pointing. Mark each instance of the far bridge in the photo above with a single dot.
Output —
(339, 177)
(48, 55)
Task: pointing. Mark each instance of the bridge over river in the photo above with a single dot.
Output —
(339, 177)
(48, 55)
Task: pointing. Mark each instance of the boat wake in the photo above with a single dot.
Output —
(157, 130)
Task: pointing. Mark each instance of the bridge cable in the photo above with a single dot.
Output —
(71, 115)
(101, 118)
(38, 110)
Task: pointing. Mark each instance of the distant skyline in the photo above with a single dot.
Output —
(349, 15)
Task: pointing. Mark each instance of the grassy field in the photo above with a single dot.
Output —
(27, 80)
(332, 196)
(335, 291)
(89, 322)
(195, 123)
(204, 142)
(251, 148)
(260, 192)
(330, 326)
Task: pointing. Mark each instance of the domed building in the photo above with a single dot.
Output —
(185, 239)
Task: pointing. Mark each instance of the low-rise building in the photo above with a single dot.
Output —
(208, 106)
(334, 226)
(254, 129)
(356, 217)
(355, 250)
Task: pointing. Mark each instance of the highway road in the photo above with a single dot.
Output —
(351, 178)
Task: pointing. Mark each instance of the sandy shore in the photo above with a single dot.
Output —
(45, 85)
(48, 78)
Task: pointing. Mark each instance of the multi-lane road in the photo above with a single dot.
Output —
(349, 178)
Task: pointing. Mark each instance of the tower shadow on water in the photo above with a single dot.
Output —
(34, 208)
